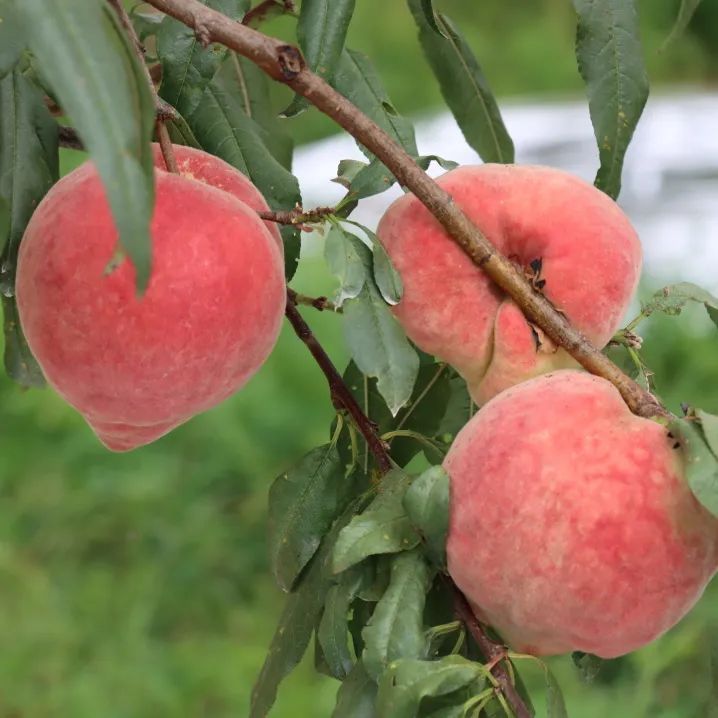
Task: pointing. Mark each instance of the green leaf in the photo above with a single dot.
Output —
(112, 107)
(709, 425)
(701, 464)
(396, 628)
(223, 128)
(464, 86)
(321, 31)
(379, 346)
(333, 629)
(252, 86)
(427, 8)
(187, 66)
(386, 277)
(427, 504)
(672, 299)
(28, 168)
(294, 631)
(347, 171)
(146, 24)
(685, 13)
(20, 364)
(12, 38)
(356, 696)
(180, 132)
(371, 179)
(407, 681)
(425, 160)
(303, 502)
(555, 704)
(344, 255)
(459, 407)
(588, 665)
(382, 528)
(611, 64)
(357, 80)
(4, 222)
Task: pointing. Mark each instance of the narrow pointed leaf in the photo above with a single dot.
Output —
(685, 13)
(321, 31)
(187, 66)
(223, 128)
(386, 277)
(343, 253)
(396, 628)
(333, 629)
(294, 631)
(358, 81)
(379, 346)
(611, 64)
(672, 299)
(427, 505)
(408, 681)
(111, 107)
(383, 527)
(303, 503)
(701, 464)
(356, 696)
(28, 168)
(12, 39)
(464, 86)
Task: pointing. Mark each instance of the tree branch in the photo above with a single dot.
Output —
(69, 138)
(320, 303)
(298, 215)
(285, 64)
(341, 396)
(494, 653)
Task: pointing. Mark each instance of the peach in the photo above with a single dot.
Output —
(589, 257)
(136, 367)
(571, 524)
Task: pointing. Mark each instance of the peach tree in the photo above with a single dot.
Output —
(480, 501)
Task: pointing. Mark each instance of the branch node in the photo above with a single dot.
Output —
(290, 60)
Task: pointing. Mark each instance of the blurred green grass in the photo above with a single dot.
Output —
(137, 585)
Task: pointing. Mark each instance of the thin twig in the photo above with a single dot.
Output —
(266, 9)
(298, 215)
(494, 653)
(340, 393)
(320, 303)
(285, 64)
(163, 110)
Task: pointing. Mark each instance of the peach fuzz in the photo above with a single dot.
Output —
(136, 367)
(571, 524)
(590, 255)
(201, 166)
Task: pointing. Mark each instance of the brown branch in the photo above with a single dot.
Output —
(69, 138)
(320, 303)
(494, 653)
(285, 64)
(341, 396)
(163, 110)
(298, 215)
(266, 9)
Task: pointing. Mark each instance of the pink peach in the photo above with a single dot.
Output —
(136, 367)
(571, 524)
(590, 261)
